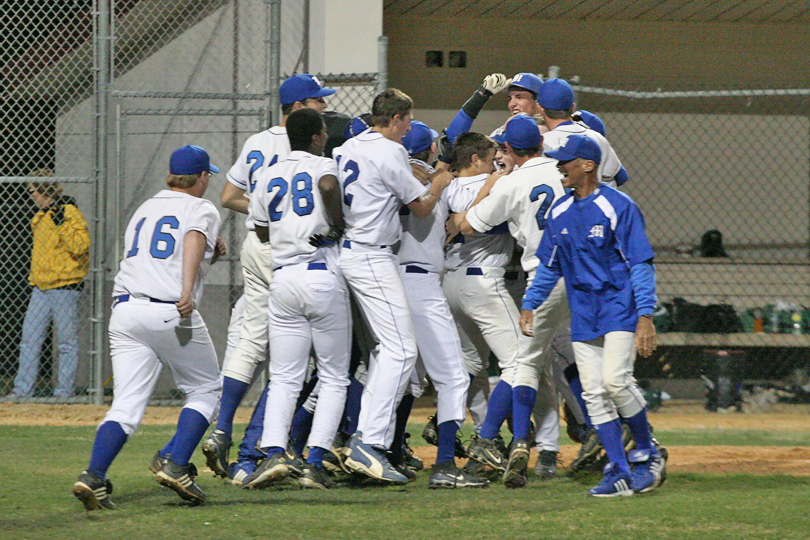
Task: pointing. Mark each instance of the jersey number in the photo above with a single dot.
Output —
(303, 202)
(548, 197)
(257, 158)
(354, 172)
(162, 245)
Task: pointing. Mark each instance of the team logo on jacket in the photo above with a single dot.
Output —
(597, 231)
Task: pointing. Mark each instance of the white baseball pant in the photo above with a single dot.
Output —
(309, 308)
(142, 335)
(605, 368)
(438, 342)
(373, 277)
(257, 272)
(487, 317)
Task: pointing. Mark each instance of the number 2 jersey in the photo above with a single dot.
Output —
(261, 150)
(288, 202)
(523, 199)
(152, 266)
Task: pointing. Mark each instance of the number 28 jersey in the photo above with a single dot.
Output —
(288, 202)
(153, 246)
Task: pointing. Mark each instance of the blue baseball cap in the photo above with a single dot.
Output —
(522, 132)
(419, 138)
(527, 81)
(499, 135)
(301, 87)
(357, 125)
(556, 94)
(593, 122)
(577, 146)
(190, 159)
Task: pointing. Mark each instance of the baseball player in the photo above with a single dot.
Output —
(556, 103)
(421, 259)
(487, 317)
(260, 151)
(595, 239)
(377, 180)
(170, 241)
(523, 199)
(297, 199)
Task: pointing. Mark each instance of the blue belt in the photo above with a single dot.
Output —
(126, 297)
(411, 269)
(348, 245)
(473, 271)
(310, 266)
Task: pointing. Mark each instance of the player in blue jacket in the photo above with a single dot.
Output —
(595, 239)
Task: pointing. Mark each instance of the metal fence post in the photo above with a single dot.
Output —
(274, 62)
(382, 63)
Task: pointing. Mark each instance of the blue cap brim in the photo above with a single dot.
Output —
(325, 92)
(500, 138)
(561, 155)
(213, 168)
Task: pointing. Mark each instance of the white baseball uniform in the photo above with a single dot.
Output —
(421, 259)
(260, 151)
(377, 180)
(308, 301)
(523, 199)
(556, 138)
(145, 326)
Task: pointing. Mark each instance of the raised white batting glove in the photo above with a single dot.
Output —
(496, 82)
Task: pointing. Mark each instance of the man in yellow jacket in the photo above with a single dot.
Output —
(59, 261)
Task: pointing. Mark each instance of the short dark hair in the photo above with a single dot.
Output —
(388, 104)
(516, 88)
(302, 125)
(557, 114)
(287, 109)
(523, 152)
(470, 144)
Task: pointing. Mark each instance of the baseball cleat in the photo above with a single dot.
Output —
(448, 476)
(588, 452)
(272, 469)
(294, 463)
(431, 432)
(93, 492)
(367, 460)
(180, 479)
(215, 449)
(157, 462)
(515, 474)
(239, 471)
(410, 460)
(615, 483)
(487, 452)
(664, 455)
(546, 464)
(315, 477)
(649, 470)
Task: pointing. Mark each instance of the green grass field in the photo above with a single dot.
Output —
(36, 501)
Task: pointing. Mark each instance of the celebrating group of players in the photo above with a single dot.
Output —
(370, 271)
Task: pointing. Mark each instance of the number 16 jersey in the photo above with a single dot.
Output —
(152, 266)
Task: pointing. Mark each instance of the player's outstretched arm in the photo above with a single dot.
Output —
(193, 252)
(423, 206)
(233, 198)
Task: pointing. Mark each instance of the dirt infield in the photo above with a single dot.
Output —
(698, 459)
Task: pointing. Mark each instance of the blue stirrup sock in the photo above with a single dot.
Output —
(315, 456)
(446, 442)
(232, 393)
(522, 404)
(254, 430)
(167, 450)
(110, 439)
(403, 413)
(299, 431)
(641, 430)
(191, 426)
(354, 396)
(500, 406)
(610, 434)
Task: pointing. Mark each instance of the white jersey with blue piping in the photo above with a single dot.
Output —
(593, 243)
(261, 150)
(376, 180)
(554, 139)
(152, 266)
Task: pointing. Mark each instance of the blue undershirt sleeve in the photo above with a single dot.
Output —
(642, 276)
(460, 125)
(621, 177)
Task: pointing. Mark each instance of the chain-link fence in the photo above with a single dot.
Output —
(723, 178)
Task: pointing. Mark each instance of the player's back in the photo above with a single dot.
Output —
(288, 202)
(260, 151)
(491, 250)
(153, 242)
(376, 179)
(554, 139)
